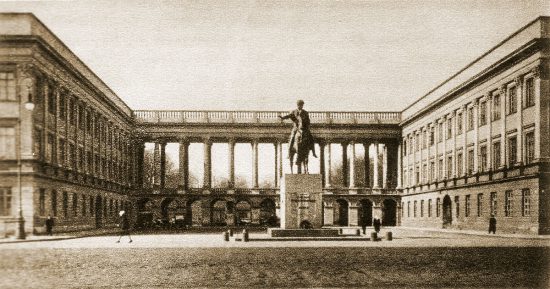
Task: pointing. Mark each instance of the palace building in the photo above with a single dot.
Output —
(476, 145)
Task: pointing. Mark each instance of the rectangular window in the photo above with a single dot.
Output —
(440, 131)
(459, 123)
(5, 202)
(508, 203)
(479, 205)
(50, 147)
(62, 149)
(437, 207)
(432, 135)
(529, 147)
(432, 171)
(467, 206)
(42, 202)
(449, 167)
(496, 106)
(526, 203)
(84, 206)
(424, 138)
(408, 209)
(51, 100)
(65, 203)
(457, 206)
(422, 208)
(482, 113)
(62, 106)
(459, 164)
(80, 159)
(81, 120)
(88, 122)
(7, 86)
(512, 151)
(470, 162)
(54, 203)
(7, 143)
(441, 173)
(529, 92)
(75, 205)
(512, 100)
(72, 156)
(92, 209)
(414, 210)
(493, 203)
(483, 158)
(449, 128)
(470, 118)
(424, 173)
(496, 155)
(429, 208)
(71, 113)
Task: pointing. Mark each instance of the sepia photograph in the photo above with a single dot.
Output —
(275, 144)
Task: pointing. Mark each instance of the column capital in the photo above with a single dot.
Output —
(536, 71)
(503, 89)
(207, 140)
(518, 80)
(231, 141)
(184, 140)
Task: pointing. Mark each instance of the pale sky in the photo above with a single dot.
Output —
(220, 55)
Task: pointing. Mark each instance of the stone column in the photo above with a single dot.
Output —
(231, 159)
(255, 164)
(375, 173)
(385, 166)
(329, 165)
(184, 164)
(162, 164)
(207, 181)
(503, 162)
(322, 162)
(276, 162)
(352, 166)
(400, 165)
(156, 164)
(366, 145)
(541, 153)
(139, 169)
(280, 149)
(345, 163)
(519, 123)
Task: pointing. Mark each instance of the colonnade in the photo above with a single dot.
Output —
(389, 177)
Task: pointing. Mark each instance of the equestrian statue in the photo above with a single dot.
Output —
(301, 141)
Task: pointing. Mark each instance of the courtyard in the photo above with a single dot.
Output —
(413, 259)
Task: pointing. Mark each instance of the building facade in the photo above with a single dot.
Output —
(476, 145)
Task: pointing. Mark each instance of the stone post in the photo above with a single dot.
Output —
(255, 164)
(375, 173)
(184, 164)
(352, 166)
(345, 163)
(366, 145)
(231, 159)
(162, 164)
(207, 181)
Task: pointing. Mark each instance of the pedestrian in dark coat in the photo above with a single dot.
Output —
(49, 225)
(376, 224)
(492, 224)
(124, 226)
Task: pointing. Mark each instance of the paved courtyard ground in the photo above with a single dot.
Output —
(414, 259)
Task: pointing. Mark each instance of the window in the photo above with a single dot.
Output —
(5, 201)
(7, 86)
(529, 147)
(459, 164)
(467, 206)
(42, 202)
(65, 204)
(89, 161)
(62, 151)
(75, 205)
(51, 100)
(80, 158)
(512, 100)
(437, 207)
(414, 208)
(496, 106)
(483, 158)
(470, 118)
(508, 203)
(512, 151)
(54, 203)
(62, 106)
(84, 205)
(91, 205)
(529, 92)
(50, 148)
(441, 173)
(88, 122)
(37, 147)
(81, 120)
(496, 155)
(432, 135)
(493, 203)
(459, 123)
(482, 113)
(440, 131)
(457, 206)
(424, 173)
(72, 156)
(432, 171)
(71, 113)
(409, 209)
(526, 203)
(7, 143)
(424, 138)
(470, 162)
(429, 208)
(449, 167)
(449, 128)
(479, 205)
(422, 208)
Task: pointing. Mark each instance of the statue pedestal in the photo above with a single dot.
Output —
(301, 201)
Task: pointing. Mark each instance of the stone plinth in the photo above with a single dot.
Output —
(301, 201)
(303, 233)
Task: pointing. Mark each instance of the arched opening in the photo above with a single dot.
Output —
(268, 213)
(242, 210)
(305, 224)
(365, 213)
(447, 211)
(218, 213)
(194, 213)
(145, 213)
(389, 212)
(173, 212)
(98, 211)
(341, 213)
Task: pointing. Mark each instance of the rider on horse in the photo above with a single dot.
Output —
(300, 118)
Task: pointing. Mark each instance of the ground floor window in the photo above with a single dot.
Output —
(526, 202)
(479, 205)
(42, 202)
(457, 206)
(437, 207)
(429, 208)
(493, 203)
(508, 200)
(5, 202)
(467, 206)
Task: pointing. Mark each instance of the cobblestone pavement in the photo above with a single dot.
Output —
(413, 259)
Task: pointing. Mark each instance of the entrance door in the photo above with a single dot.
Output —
(389, 213)
(447, 212)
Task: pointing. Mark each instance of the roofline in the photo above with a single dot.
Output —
(475, 61)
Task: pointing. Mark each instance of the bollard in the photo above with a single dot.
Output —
(373, 236)
(389, 236)
(358, 232)
(226, 236)
(364, 230)
(245, 235)
(230, 232)
(340, 231)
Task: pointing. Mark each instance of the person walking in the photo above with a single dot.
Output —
(124, 226)
(49, 225)
(492, 224)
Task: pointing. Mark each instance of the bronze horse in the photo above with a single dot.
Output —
(302, 144)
